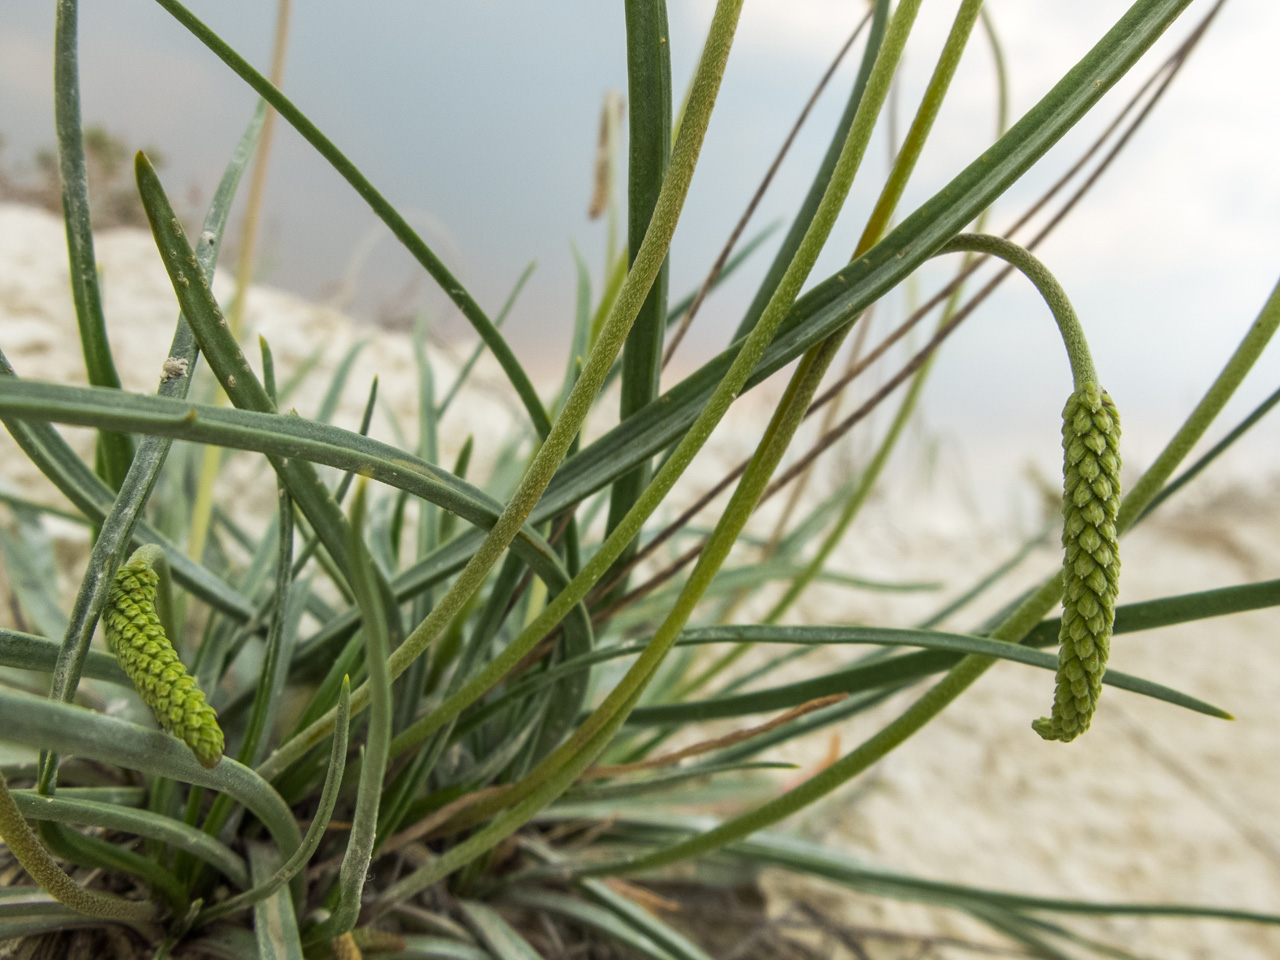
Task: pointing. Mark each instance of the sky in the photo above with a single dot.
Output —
(479, 121)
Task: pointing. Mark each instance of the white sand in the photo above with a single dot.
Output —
(1154, 804)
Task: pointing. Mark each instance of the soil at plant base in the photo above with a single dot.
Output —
(1153, 804)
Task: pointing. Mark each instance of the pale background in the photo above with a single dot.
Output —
(479, 120)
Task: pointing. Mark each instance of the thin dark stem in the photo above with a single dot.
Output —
(716, 268)
(1168, 70)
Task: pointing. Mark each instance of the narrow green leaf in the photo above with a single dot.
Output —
(115, 450)
(680, 947)
(460, 467)
(580, 342)
(734, 579)
(366, 418)
(1167, 611)
(989, 580)
(62, 728)
(298, 376)
(274, 924)
(268, 370)
(589, 915)
(1189, 474)
(801, 856)
(649, 143)
(53, 922)
(1009, 924)
(854, 679)
(226, 943)
(293, 867)
(32, 572)
(113, 796)
(360, 842)
(333, 393)
(597, 793)
(496, 933)
(1090, 943)
(29, 902)
(12, 500)
(804, 857)
(280, 637)
(408, 690)
(436, 948)
(467, 367)
(731, 265)
(66, 807)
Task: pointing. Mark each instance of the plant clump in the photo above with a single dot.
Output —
(449, 701)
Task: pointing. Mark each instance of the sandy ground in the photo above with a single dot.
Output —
(1154, 804)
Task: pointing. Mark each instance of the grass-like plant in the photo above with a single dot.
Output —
(467, 739)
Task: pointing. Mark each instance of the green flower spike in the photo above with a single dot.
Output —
(1091, 558)
(138, 642)
(1090, 505)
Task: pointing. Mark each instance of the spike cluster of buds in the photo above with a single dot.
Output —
(138, 641)
(1091, 559)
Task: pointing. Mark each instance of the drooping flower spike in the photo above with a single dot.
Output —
(1091, 558)
(137, 639)
(1090, 506)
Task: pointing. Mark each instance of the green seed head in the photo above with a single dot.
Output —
(138, 642)
(1091, 558)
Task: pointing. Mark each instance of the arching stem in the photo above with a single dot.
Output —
(1021, 259)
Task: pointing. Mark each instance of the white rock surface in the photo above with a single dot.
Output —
(38, 333)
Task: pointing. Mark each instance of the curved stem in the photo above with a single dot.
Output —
(1021, 259)
(35, 859)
